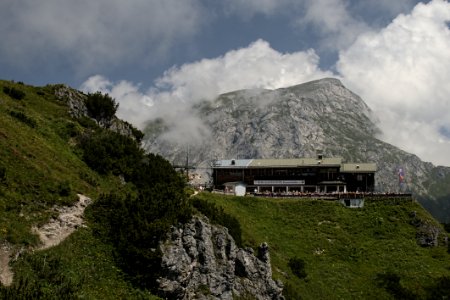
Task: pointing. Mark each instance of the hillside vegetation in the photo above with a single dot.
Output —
(56, 142)
(343, 253)
(47, 157)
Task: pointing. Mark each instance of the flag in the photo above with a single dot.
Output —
(401, 175)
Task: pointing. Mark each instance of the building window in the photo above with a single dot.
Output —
(359, 177)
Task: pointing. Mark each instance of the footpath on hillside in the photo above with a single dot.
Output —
(50, 234)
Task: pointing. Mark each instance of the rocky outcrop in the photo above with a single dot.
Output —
(202, 261)
(427, 233)
(75, 101)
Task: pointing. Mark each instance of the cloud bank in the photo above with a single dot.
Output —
(401, 70)
(94, 34)
(256, 66)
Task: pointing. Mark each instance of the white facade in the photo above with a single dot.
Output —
(236, 188)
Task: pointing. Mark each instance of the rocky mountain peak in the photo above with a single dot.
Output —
(299, 121)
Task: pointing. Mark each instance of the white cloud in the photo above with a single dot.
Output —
(335, 24)
(90, 34)
(256, 66)
(402, 72)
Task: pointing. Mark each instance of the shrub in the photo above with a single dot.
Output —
(218, 216)
(87, 122)
(440, 290)
(291, 292)
(14, 93)
(2, 173)
(64, 189)
(23, 118)
(135, 224)
(101, 107)
(391, 283)
(297, 266)
(106, 151)
(89, 178)
(67, 130)
(138, 135)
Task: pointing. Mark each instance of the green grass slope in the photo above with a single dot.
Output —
(41, 166)
(368, 253)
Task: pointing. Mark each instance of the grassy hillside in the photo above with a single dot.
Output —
(363, 253)
(41, 166)
(368, 253)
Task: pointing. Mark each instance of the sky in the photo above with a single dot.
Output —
(158, 57)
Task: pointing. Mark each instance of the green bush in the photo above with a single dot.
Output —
(137, 134)
(14, 93)
(135, 224)
(2, 173)
(106, 152)
(218, 216)
(101, 107)
(391, 282)
(440, 290)
(89, 178)
(67, 130)
(64, 189)
(87, 122)
(291, 292)
(297, 266)
(23, 118)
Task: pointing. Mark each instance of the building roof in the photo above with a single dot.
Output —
(295, 162)
(232, 163)
(274, 162)
(353, 168)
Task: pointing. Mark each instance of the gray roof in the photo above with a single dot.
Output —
(296, 162)
(275, 162)
(232, 163)
(353, 168)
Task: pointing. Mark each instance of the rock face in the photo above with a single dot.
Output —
(74, 99)
(300, 121)
(202, 261)
(77, 108)
(427, 233)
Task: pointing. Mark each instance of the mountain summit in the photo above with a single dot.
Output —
(301, 121)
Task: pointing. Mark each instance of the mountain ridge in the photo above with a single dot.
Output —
(300, 121)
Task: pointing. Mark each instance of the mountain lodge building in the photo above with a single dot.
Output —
(297, 175)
